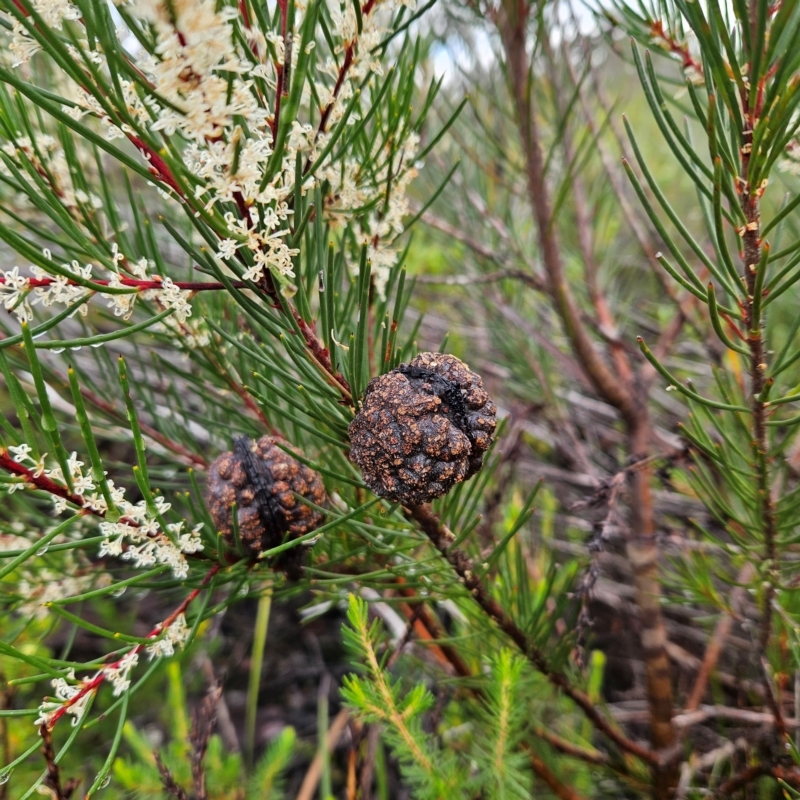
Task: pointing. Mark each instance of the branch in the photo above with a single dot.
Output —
(141, 285)
(605, 320)
(750, 774)
(349, 53)
(94, 683)
(44, 483)
(53, 778)
(714, 649)
(629, 399)
(742, 716)
(559, 789)
(512, 32)
(168, 782)
(442, 538)
(309, 786)
(491, 277)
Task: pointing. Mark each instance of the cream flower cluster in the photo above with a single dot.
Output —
(45, 586)
(350, 192)
(67, 689)
(54, 13)
(73, 696)
(216, 103)
(137, 535)
(48, 159)
(214, 80)
(175, 637)
(18, 294)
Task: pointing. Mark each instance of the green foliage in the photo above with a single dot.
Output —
(137, 775)
(211, 201)
(487, 763)
(432, 771)
(503, 721)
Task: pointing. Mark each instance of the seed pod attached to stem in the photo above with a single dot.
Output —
(422, 428)
(263, 481)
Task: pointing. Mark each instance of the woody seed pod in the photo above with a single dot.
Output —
(422, 428)
(262, 480)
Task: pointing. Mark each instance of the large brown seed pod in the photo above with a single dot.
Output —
(422, 428)
(262, 479)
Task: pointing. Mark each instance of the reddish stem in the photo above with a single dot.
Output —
(245, 14)
(95, 682)
(158, 166)
(142, 285)
(343, 70)
(279, 68)
(43, 482)
(657, 31)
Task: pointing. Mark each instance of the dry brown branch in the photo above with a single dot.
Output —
(741, 716)
(512, 21)
(171, 786)
(52, 779)
(368, 767)
(747, 776)
(714, 649)
(570, 749)
(559, 789)
(225, 726)
(314, 772)
(203, 721)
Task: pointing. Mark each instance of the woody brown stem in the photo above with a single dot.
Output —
(559, 789)
(442, 539)
(752, 255)
(626, 396)
(53, 778)
(512, 21)
(642, 552)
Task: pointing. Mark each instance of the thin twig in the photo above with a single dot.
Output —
(139, 284)
(741, 716)
(489, 277)
(751, 255)
(53, 777)
(442, 538)
(747, 776)
(314, 772)
(171, 786)
(714, 649)
(203, 723)
(93, 684)
(560, 789)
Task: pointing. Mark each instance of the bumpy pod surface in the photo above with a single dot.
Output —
(262, 480)
(422, 428)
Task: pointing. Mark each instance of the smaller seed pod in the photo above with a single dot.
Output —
(262, 480)
(422, 428)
